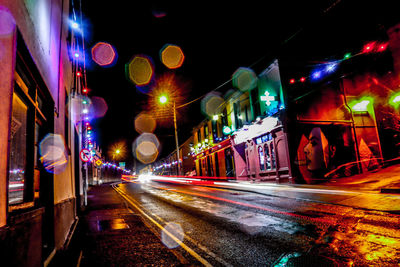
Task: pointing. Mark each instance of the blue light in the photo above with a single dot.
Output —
(74, 25)
(331, 67)
(76, 55)
(316, 75)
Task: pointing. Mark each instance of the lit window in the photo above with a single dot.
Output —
(261, 158)
(17, 151)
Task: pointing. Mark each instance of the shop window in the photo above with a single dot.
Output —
(267, 157)
(30, 120)
(273, 160)
(229, 164)
(210, 170)
(261, 158)
(216, 164)
(18, 168)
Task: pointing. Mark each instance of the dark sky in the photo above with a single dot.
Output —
(216, 39)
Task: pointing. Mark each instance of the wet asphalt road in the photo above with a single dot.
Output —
(224, 227)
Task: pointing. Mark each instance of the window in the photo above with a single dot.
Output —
(261, 158)
(206, 131)
(216, 164)
(273, 161)
(267, 157)
(199, 136)
(31, 120)
(18, 136)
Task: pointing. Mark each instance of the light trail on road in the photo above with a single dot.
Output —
(315, 220)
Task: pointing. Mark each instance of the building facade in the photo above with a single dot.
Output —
(39, 155)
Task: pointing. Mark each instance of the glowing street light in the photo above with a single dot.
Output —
(163, 99)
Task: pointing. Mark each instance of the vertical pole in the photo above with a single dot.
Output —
(176, 141)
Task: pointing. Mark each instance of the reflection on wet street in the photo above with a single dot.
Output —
(230, 227)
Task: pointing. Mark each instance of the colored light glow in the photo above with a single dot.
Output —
(85, 111)
(74, 25)
(361, 106)
(146, 148)
(331, 67)
(227, 130)
(84, 90)
(215, 117)
(316, 75)
(141, 70)
(53, 154)
(103, 54)
(382, 47)
(172, 235)
(395, 100)
(292, 81)
(244, 79)
(267, 98)
(7, 22)
(76, 55)
(172, 56)
(145, 123)
(302, 79)
(347, 55)
(211, 104)
(79, 74)
(98, 107)
(163, 99)
(369, 47)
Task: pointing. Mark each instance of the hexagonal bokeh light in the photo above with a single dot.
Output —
(53, 153)
(244, 79)
(141, 70)
(211, 104)
(146, 148)
(98, 107)
(145, 123)
(103, 54)
(172, 56)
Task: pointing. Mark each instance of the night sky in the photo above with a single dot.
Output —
(216, 39)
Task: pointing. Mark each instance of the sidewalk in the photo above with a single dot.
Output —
(110, 234)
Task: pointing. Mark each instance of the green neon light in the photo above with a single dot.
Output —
(226, 130)
(364, 104)
(395, 100)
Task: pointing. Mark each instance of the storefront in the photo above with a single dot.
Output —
(216, 161)
(261, 152)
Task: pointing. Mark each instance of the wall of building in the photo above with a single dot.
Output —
(44, 29)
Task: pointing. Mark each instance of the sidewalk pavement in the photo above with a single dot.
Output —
(111, 234)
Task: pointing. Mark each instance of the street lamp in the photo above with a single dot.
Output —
(163, 100)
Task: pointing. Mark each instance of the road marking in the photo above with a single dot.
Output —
(189, 250)
(191, 240)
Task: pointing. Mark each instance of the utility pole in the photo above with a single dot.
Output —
(176, 141)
